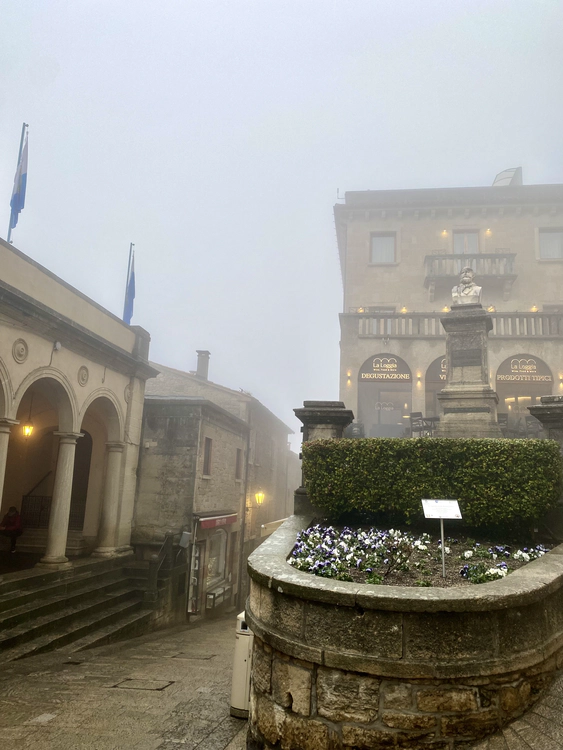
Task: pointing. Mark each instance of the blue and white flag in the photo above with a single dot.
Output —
(129, 293)
(20, 182)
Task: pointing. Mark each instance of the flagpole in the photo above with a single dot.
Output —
(131, 246)
(24, 126)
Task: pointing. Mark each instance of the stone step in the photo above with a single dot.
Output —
(65, 614)
(128, 626)
(19, 598)
(44, 604)
(72, 631)
(37, 577)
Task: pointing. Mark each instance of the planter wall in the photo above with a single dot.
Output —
(344, 665)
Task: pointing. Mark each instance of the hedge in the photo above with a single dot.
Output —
(510, 483)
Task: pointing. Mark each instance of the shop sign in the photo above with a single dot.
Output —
(384, 367)
(524, 368)
(211, 523)
(437, 371)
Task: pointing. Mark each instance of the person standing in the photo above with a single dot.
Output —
(11, 526)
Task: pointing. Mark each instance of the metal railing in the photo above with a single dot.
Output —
(427, 325)
(35, 511)
(499, 264)
(155, 564)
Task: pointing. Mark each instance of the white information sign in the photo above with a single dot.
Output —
(441, 509)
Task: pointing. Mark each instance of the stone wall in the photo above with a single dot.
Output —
(345, 665)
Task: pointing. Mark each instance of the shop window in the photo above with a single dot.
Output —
(216, 558)
(207, 448)
(551, 244)
(238, 465)
(383, 248)
(466, 243)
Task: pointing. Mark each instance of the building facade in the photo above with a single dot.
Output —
(72, 380)
(402, 251)
(216, 463)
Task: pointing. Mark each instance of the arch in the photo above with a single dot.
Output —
(520, 381)
(6, 391)
(384, 395)
(434, 382)
(58, 390)
(106, 402)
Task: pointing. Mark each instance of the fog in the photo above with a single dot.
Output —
(216, 134)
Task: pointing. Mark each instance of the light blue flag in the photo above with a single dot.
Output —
(18, 193)
(129, 293)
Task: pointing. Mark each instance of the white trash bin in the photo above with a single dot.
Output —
(240, 691)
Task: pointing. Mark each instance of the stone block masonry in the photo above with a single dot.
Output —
(341, 665)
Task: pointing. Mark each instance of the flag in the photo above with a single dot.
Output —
(129, 292)
(18, 194)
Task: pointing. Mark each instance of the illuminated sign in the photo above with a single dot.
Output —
(383, 367)
(524, 369)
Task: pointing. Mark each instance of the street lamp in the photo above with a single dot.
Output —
(27, 427)
(259, 496)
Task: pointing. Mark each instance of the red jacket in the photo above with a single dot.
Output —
(12, 523)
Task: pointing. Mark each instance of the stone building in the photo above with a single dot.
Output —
(216, 463)
(72, 380)
(402, 251)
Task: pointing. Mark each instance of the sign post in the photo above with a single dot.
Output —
(441, 509)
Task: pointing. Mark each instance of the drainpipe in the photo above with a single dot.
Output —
(240, 604)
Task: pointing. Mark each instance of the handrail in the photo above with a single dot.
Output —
(35, 486)
(155, 564)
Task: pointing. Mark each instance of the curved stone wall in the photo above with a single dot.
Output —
(345, 665)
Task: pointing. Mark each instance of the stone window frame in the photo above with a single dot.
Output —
(385, 233)
(466, 230)
(207, 456)
(238, 465)
(550, 230)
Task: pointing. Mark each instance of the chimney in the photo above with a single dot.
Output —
(202, 364)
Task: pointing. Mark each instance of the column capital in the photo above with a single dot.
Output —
(115, 446)
(6, 424)
(68, 437)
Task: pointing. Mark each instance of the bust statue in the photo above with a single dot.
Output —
(466, 292)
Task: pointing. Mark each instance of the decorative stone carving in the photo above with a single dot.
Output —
(466, 292)
(127, 393)
(20, 350)
(83, 375)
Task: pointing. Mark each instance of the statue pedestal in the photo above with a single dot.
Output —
(469, 404)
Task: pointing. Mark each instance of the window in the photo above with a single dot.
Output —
(551, 244)
(216, 558)
(207, 457)
(466, 243)
(383, 248)
(238, 465)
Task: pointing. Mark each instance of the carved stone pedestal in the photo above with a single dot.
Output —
(469, 404)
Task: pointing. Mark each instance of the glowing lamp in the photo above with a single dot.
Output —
(259, 497)
(403, 309)
(27, 429)
(534, 308)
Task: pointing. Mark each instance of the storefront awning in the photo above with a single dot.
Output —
(208, 521)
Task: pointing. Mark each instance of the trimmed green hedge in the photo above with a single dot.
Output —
(497, 482)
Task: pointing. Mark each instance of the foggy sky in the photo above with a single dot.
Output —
(215, 134)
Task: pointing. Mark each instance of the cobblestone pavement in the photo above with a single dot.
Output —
(540, 728)
(166, 691)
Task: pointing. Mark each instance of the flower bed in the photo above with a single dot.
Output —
(393, 556)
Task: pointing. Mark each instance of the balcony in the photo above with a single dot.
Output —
(510, 325)
(442, 271)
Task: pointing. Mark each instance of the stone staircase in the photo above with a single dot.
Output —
(95, 602)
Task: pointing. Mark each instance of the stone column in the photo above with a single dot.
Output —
(110, 505)
(321, 420)
(60, 505)
(469, 404)
(5, 429)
